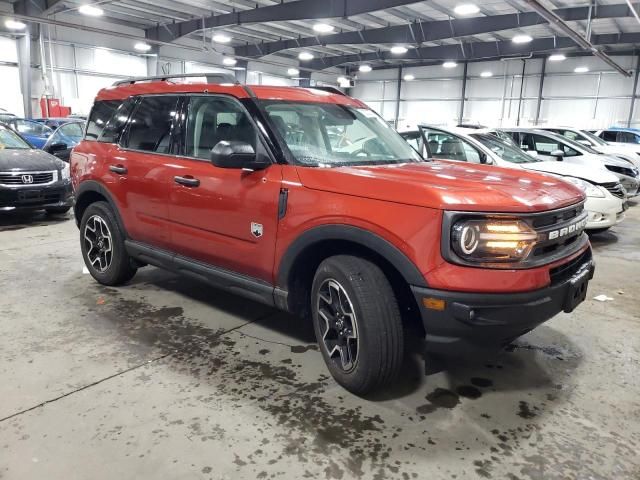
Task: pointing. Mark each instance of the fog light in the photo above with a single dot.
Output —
(434, 304)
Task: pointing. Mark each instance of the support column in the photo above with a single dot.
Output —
(152, 61)
(305, 78)
(24, 71)
(633, 94)
(464, 93)
(524, 64)
(241, 75)
(398, 95)
(539, 104)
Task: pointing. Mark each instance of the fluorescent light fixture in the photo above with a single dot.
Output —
(142, 47)
(466, 9)
(399, 50)
(14, 25)
(305, 56)
(323, 28)
(293, 71)
(449, 64)
(581, 69)
(557, 57)
(486, 74)
(521, 39)
(364, 68)
(221, 38)
(408, 77)
(91, 10)
(229, 61)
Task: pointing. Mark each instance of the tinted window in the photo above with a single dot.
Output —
(449, 147)
(215, 119)
(544, 145)
(150, 125)
(117, 122)
(69, 134)
(99, 116)
(9, 140)
(609, 136)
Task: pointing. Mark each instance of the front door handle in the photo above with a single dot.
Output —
(119, 169)
(187, 181)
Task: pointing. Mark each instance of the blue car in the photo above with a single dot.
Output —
(620, 135)
(34, 132)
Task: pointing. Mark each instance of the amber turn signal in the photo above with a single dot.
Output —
(434, 303)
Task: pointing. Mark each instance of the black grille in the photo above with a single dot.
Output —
(629, 172)
(557, 217)
(564, 272)
(26, 178)
(616, 189)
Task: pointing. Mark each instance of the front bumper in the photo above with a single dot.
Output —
(477, 322)
(59, 194)
(604, 212)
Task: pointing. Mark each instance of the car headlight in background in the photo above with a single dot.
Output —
(66, 172)
(589, 189)
(492, 240)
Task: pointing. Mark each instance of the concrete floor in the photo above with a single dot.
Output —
(166, 378)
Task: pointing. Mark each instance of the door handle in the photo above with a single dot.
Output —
(119, 169)
(187, 181)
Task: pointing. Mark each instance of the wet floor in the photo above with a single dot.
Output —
(168, 378)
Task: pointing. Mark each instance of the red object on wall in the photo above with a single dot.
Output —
(54, 108)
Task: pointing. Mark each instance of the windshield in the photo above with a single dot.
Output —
(578, 146)
(320, 134)
(10, 141)
(597, 140)
(503, 150)
(26, 127)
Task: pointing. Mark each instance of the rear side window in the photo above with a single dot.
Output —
(101, 113)
(609, 136)
(151, 123)
(117, 122)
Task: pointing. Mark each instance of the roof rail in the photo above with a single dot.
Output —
(211, 78)
(330, 90)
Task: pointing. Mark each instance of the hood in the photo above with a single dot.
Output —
(591, 174)
(447, 185)
(615, 161)
(30, 160)
(628, 152)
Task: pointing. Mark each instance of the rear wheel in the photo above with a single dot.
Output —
(357, 323)
(102, 245)
(57, 210)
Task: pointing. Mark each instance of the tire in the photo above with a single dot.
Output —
(102, 245)
(371, 310)
(595, 231)
(57, 210)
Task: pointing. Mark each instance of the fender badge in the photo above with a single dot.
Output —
(256, 229)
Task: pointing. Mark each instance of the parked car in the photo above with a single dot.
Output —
(64, 139)
(239, 186)
(605, 196)
(34, 132)
(620, 135)
(30, 178)
(540, 143)
(629, 152)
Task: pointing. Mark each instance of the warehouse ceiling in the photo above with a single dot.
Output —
(364, 31)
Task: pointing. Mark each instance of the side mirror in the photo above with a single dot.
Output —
(484, 159)
(57, 147)
(558, 154)
(233, 154)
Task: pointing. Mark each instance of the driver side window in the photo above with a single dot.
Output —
(211, 120)
(449, 147)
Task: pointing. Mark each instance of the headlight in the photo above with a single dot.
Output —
(589, 189)
(66, 172)
(492, 240)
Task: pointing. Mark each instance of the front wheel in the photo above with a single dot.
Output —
(102, 245)
(357, 323)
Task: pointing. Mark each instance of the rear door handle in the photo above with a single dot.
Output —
(187, 181)
(119, 169)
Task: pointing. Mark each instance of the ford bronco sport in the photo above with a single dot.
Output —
(305, 199)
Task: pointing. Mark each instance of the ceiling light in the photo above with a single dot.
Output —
(521, 39)
(305, 56)
(323, 28)
(398, 50)
(466, 9)
(142, 47)
(581, 69)
(449, 64)
(91, 10)
(364, 68)
(229, 61)
(293, 71)
(14, 25)
(486, 74)
(408, 77)
(557, 57)
(221, 38)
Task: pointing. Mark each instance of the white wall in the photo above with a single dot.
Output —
(10, 94)
(599, 98)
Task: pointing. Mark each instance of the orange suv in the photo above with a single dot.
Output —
(307, 200)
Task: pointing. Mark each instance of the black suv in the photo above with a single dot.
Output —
(30, 178)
